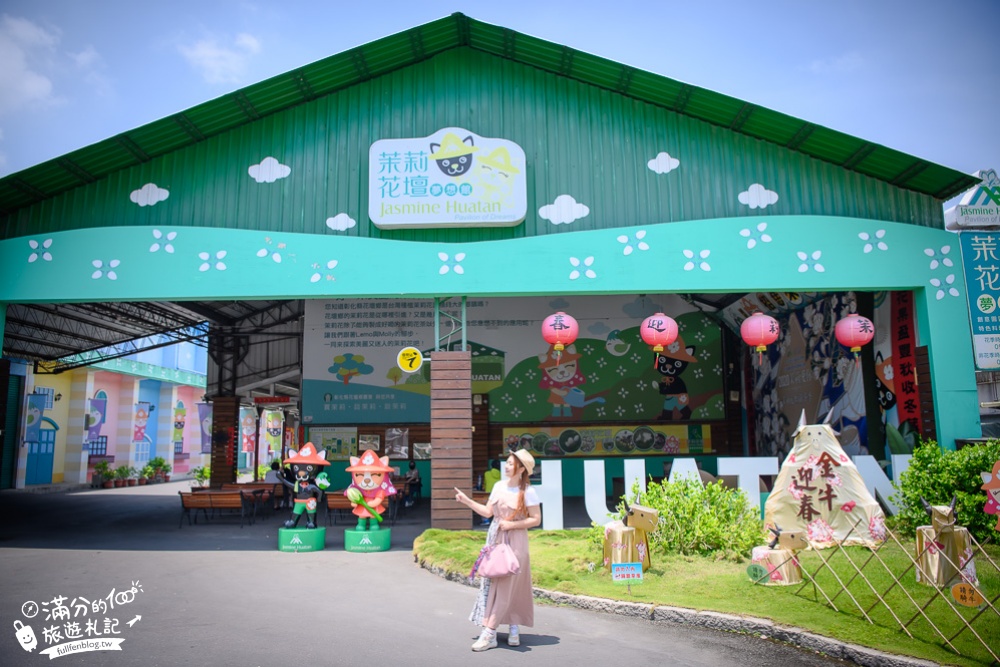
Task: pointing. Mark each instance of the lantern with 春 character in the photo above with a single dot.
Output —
(658, 331)
(759, 331)
(854, 331)
(560, 330)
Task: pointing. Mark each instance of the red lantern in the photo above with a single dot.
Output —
(854, 331)
(658, 331)
(759, 331)
(560, 330)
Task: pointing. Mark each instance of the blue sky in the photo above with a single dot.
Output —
(918, 76)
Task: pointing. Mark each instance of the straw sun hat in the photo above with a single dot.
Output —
(526, 459)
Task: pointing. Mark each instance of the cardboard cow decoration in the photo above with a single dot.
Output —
(777, 564)
(944, 550)
(627, 540)
(820, 493)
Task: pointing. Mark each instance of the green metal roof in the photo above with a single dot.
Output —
(380, 57)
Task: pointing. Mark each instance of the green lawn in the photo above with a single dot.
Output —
(569, 562)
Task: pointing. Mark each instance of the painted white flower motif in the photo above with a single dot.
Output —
(873, 241)
(516, 382)
(531, 398)
(810, 261)
(44, 246)
(623, 392)
(698, 373)
(602, 362)
(620, 411)
(451, 264)
(939, 258)
(703, 255)
(949, 279)
(206, 259)
(637, 407)
(586, 263)
(637, 239)
(756, 235)
(507, 398)
(103, 270)
(516, 412)
(167, 246)
(264, 252)
(330, 266)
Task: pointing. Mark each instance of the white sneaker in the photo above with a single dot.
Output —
(485, 643)
(514, 638)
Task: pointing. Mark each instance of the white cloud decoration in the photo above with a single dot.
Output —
(149, 195)
(340, 222)
(663, 163)
(269, 170)
(563, 210)
(757, 196)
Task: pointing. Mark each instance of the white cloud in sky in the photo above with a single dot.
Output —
(757, 196)
(220, 63)
(563, 210)
(851, 61)
(663, 163)
(148, 195)
(340, 222)
(86, 58)
(25, 49)
(269, 170)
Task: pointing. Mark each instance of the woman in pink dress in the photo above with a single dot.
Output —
(516, 508)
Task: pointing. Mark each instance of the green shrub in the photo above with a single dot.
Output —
(701, 519)
(936, 476)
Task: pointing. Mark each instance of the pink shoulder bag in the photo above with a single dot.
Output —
(496, 560)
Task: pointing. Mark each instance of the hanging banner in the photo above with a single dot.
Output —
(95, 417)
(180, 417)
(290, 438)
(904, 360)
(248, 429)
(33, 422)
(981, 263)
(274, 421)
(140, 421)
(205, 421)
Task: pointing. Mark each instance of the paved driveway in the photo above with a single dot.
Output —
(217, 594)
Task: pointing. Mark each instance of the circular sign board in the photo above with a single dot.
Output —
(410, 359)
(967, 595)
(757, 573)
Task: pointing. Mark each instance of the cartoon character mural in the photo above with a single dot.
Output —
(141, 419)
(562, 377)
(453, 155)
(991, 485)
(670, 364)
(306, 464)
(370, 488)
(180, 418)
(494, 175)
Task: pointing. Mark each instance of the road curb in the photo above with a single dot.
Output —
(859, 655)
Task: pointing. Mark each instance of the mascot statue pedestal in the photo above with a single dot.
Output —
(301, 539)
(366, 541)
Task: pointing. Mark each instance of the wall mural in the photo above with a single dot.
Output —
(609, 375)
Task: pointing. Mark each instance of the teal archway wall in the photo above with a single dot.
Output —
(746, 254)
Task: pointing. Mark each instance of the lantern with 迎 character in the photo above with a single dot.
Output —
(658, 331)
(560, 330)
(854, 331)
(759, 331)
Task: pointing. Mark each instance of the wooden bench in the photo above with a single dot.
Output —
(217, 500)
(337, 504)
(268, 493)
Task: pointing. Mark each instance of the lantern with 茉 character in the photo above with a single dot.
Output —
(759, 331)
(658, 331)
(560, 330)
(854, 331)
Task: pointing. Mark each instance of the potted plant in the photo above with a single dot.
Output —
(146, 474)
(166, 472)
(121, 474)
(158, 463)
(103, 474)
(133, 474)
(201, 476)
